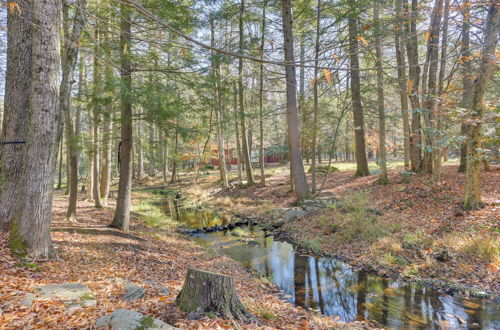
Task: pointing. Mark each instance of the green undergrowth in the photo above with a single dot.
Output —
(352, 220)
(149, 209)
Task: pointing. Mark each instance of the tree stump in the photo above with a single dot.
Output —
(205, 292)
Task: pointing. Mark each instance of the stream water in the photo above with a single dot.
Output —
(334, 288)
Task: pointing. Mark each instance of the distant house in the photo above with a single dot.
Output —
(232, 158)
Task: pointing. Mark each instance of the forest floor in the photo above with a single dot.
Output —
(104, 259)
(409, 228)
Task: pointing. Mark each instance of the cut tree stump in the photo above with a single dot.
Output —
(207, 292)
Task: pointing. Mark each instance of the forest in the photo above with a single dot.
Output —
(249, 164)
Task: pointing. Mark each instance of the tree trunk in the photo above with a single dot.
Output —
(237, 135)
(96, 194)
(261, 95)
(244, 144)
(16, 110)
(472, 195)
(438, 146)
(297, 166)
(174, 162)
(431, 92)
(466, 64)
(410, 26)
(59, 176)
(123, 201)
(106, 156)
(380, 97)
(206, 292)
(315, 96)
(217, 105)
(402, 81)
(70, 53)
(359, 132)
(30, 234)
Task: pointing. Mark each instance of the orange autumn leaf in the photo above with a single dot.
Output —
(362, 40)
(336, 57)
(427, 36)
(328, 76)
(409, 87)
(314, 81)
(13, 6)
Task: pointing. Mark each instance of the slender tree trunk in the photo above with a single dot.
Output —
(359, 132)
(139, 151)
(61, 157)
(472, 195)
(16, 109)
(466, 64)
(217, 104)
(410, 26)
(174, 162)
(261, 95)
(380, 97)
(106, 157)
(402, 81)
(315, 96)
(438, 147)
(30, 233)
(431, 92)
(123, 201)
(78, 116)
(96, 195)
(244, 144)
(297, 166)
(237, 135)
(69, 60)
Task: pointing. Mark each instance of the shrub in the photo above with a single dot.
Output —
(323, 169)
(313, 244)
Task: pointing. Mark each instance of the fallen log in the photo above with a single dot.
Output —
(207, 292)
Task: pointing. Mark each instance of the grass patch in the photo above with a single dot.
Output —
(354, 221)
(416, 240)
(238, 232)
(487, 248)
(313, 245)
(151, 213)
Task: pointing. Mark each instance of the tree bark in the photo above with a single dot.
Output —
(70, 53)
(410, 25)
(30, 233)
(359, 132)
(261, 95)
(297, 166)
(380, 97)
(244, 141)
(123, 202)
(402, 82)
(16, 109)
(472, 195)
(206, 292)
(96, 193)
(466, 64)
(315, 96)
(438, 145)
(237, 136)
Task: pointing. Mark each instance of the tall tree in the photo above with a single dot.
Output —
(16, 108)
(472, 195)
(402, 82)
(466, 66)
(30, 233)
(357, 109)
(410, 27)
(298, 174)
(70, 55)
(380, 95)
(244, 139)
(122, 213)
(261, 94)
(315, 97)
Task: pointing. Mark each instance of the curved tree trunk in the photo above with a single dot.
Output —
(205, 292)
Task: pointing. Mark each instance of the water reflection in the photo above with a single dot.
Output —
(198, 218)
(335, 289)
